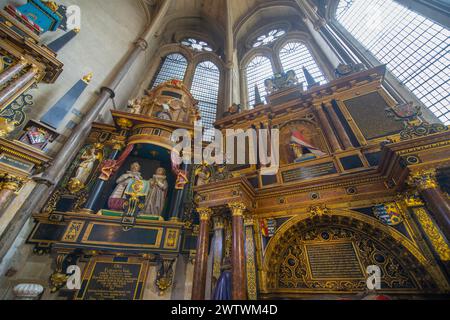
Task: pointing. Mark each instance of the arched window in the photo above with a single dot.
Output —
(258, 70)
(415, 49)
(296, 56)
(205, 88)
(173, 67)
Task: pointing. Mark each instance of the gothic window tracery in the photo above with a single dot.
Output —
(296, 56)
(197, 45)
(205, 88)
(174, 66)
(258, 70)
(269, 37)
(415, 49)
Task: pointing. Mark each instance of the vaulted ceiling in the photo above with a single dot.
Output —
(209, 20)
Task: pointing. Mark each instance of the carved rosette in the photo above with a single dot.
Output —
(319, 211)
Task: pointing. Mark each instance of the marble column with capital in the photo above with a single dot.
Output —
(340, 130)
(239, 279)
(428, 187)
(19, 85)
(330, 135)
(13, 70)
(201, 258)
(9, 185)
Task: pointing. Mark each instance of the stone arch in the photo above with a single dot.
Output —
(292, 262)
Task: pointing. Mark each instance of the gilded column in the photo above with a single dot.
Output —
(239, 281)
(8, 187)
(425, 182)
(201, 259)
(18, 85)
(331, 137)
(250, 259)
(342, 134)
(8, 74)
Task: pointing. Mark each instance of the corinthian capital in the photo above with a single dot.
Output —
(237, 208)
(205, 213)
(423, 179)
(11, 183)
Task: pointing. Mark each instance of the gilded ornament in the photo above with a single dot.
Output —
(412, 201)
(6, 127)
(433, 233)
(124, 124)
(237, 208)
(51, 5)
(318, 211)
(423, 179)
(205, 213)
(250, 264)
(88, 78)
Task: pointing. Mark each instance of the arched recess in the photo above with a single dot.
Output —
(330, 254)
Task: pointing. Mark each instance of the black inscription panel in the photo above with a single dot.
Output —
(369, 113)
(113, 281)
(333, 261)
(309, 172)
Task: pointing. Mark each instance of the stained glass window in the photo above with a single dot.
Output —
(258, 70)
(197, 45)
(173, 67)
(415, 49)
(295, 56)
(269, 37)
(205, 88)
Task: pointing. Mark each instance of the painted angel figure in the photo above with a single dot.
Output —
(157, 194)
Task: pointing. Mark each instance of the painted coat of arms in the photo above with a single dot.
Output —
(388, 214)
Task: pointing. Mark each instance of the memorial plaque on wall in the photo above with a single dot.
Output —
(302, 173)
(369, 113)
(113, 280)
(334, 261)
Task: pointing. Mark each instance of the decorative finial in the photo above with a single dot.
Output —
(87, 78)
(52, 5)
(258, 100)
(309, 78)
